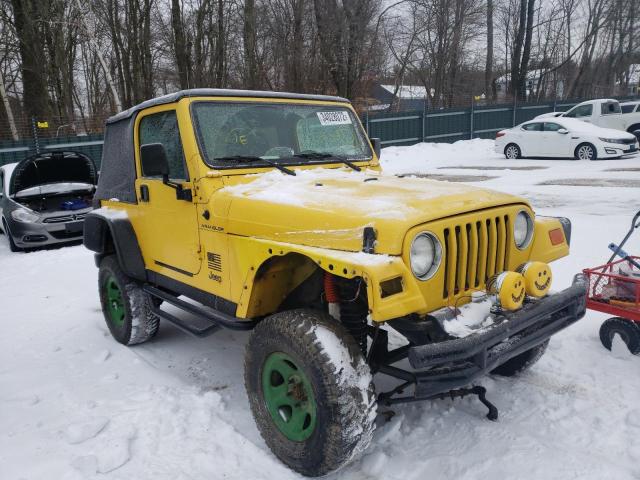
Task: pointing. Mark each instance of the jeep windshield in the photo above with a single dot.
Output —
(235, 134)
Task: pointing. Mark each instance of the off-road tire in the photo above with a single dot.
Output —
(12, 245)
(522, 362)
(577, 154)
(512, 151)
(629, 333)
(139, 323)
(340, 379)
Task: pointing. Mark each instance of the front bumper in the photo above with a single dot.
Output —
(611, 150)
(458, 362)
(33, 235)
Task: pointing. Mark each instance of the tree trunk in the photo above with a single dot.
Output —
(488, 71)
(220, 46)
(7, 107)
(526, 51)
(180, 45)
(27, 16)
(516, 53)
(250, 44)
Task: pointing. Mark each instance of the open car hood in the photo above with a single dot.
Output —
(52, 168)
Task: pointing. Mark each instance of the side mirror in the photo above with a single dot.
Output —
(154, 163)
(153, 159)
(563, 131)
(376, 144)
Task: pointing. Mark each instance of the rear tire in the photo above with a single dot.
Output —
(127, 308)
(512, 151)
(12, 245)
(629, 333)
(522, 362)
(310, 389)
(585, 151)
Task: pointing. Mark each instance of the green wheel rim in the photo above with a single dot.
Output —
(289, 397)
(115, 302)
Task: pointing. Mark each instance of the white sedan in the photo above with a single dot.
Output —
(564, 137)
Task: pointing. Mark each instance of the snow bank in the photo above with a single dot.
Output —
(419, 158)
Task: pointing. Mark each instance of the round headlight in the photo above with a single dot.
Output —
(24, 216)
(425, 255)
(522, 229)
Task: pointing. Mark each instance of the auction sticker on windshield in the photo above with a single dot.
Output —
(334, 118)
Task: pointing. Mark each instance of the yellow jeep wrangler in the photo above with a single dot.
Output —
(269, 212)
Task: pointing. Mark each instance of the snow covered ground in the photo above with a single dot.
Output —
(76, 405)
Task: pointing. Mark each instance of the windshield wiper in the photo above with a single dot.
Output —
(251, 158)
(328, 155)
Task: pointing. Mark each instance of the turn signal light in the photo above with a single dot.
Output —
(509, 289)
(556, 236)
(537, 278)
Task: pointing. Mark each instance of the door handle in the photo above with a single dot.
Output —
(144, 193)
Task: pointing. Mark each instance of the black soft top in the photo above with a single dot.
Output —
(219, 92)
(118, 168)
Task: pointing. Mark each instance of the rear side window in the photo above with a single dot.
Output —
(551, 127)
(163, 128)
(581, 111)
(610, 108)
(533, 127)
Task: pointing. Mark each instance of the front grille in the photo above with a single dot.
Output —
(64, 234)
(629, 141)
(65, 218)
(473, 252)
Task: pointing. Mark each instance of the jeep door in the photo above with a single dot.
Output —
(169, 225)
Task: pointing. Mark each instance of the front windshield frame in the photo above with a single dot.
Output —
(285, 161)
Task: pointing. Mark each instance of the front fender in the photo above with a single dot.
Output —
(551, 240)
(251, 253)
(108, 231)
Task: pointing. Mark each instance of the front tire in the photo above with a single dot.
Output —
(586, 151)
(126, 307)
(12, 244)
(629, 333)
(522, 362)
(512, 151)
(310, 389)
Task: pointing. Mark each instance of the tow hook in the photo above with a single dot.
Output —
(481, 392)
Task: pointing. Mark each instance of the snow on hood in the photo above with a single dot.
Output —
(57, 188)
(329, 208)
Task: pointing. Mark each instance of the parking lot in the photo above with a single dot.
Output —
(87, 407)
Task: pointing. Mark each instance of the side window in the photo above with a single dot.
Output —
(610, 108)
(551, 127)
(627, 108)
(163, 128)
(533, 127)
(1, 184)
(580, 111)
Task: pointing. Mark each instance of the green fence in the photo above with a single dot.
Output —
(397, 128)
(450, 125)
(90, 145)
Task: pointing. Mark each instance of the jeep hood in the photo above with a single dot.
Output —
(330, 208)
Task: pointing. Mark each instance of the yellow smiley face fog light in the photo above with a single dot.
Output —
(508, 287)
(537, 278)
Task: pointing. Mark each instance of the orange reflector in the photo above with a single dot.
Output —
(556, 236)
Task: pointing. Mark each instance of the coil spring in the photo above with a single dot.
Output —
(353, 312)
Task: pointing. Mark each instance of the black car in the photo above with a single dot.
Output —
(45, 197)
